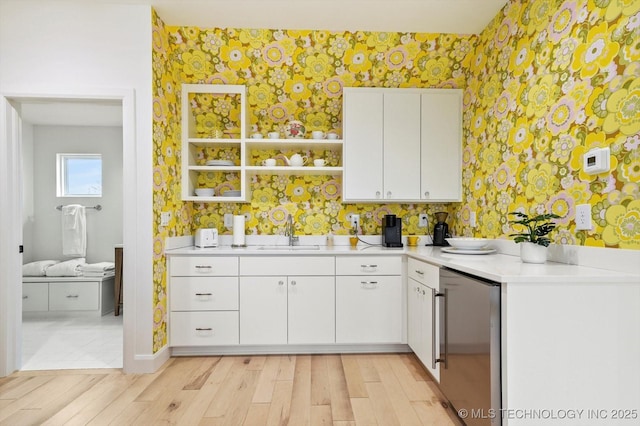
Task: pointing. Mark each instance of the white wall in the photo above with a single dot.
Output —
(84, 50)
(27, 191)
(104, 227)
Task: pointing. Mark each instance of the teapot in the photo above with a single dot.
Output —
(296, 160)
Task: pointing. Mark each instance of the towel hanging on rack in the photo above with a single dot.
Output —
(74, 230)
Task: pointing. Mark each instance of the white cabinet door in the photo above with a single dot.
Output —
(414, 315)
(401, 145)
(204, 293)
(441, 157)
(369, 309)
(35, 297)
(263, 310)
(311, 310)
(74, 296)
(363, 153)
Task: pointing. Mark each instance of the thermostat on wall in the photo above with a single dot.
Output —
(596, 161)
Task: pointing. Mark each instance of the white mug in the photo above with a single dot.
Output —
(274, 135)
(317, 134)
(318, 162)
(257, 136)
(269, 162)
(332, 135)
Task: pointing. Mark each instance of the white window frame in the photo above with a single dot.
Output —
(61, 174)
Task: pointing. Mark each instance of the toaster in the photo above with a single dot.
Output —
(206, 237)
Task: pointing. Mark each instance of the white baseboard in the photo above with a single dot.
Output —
(148, 363)
(286, 349)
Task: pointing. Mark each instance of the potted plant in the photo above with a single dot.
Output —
(534, 237)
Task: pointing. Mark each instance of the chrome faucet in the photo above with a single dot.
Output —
(290, 231)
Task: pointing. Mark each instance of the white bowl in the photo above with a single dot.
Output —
(468, 243)
(204, 192)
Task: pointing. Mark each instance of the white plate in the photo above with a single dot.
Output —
(454, 250)
(219, 163)
(231, 193)
(467, 243)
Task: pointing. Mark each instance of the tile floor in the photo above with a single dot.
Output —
(66, 342)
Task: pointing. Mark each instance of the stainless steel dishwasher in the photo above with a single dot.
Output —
(470, 346)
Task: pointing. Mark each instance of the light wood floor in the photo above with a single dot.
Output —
(339, 390)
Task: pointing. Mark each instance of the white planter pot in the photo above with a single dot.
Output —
(533, 253)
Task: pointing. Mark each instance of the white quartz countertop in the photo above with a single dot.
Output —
(497, 267)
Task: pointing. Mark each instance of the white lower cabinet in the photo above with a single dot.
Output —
(369, 301)
(73, 296)
(422, 313)
(281, 310)
(35, 297)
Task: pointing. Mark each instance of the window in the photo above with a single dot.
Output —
(79, 175)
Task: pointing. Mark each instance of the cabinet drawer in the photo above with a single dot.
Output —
(423, 272)
(73, 296)
(204, 328)
(369, 309)
(194, 266)
(369, 265)
(287, 265)
(204, 293)
(35, 297)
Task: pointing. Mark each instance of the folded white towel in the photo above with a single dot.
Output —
(98, 274)
(98, 267)
(38, 268)
(74, 230)
(68, 268)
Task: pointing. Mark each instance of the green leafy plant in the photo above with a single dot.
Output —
(536, 228)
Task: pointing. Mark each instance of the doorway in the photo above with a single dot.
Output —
(13, 109)
(56, 134)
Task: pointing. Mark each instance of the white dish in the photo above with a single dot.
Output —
(231, 193)
(219, 163)
(468, 243)
(204, 192)
(454, 250)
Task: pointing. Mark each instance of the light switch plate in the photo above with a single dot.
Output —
(583, 217)
(472, 219)
(423, 220)
(165, 218)
(355, 220)
(228, 220)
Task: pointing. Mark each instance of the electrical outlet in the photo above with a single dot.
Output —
(583, 217)
(228, 220)
(423, 220)
(472, 219)
(165, 218)
(355, 220)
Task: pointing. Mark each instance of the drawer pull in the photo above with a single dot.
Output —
(72, 296)
(419, 272)
(293, 283)
(281, 282)
(204, 329)
(369, 268)
(369, 284)
(204, 294)
(203, 267)
(25, 297)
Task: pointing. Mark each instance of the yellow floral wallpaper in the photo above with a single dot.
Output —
(548, 81)
(545, 82)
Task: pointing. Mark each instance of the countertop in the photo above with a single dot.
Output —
(496, 267)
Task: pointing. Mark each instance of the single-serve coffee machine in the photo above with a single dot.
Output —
(391, 231)
(441, 230)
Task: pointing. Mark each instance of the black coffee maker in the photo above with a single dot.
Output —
(441, 230)
(391, 231)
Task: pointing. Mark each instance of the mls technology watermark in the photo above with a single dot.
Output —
(552, 414)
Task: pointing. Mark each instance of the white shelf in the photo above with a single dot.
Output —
(215, 199)
(293, 143)
(217, 142)
(286, 170)
(215, 168)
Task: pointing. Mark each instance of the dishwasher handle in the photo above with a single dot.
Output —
(443, 337)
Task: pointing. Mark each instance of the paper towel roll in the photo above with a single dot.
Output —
(238, 230)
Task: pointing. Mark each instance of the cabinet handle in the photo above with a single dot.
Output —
(204, 266)
(419, 272)
(444, 317)
(369, 268)
(204, 294)
(280, 282)
(204, 329)
(369, 284)
(25, 297)
(426, 194)
(72, 296)
(293, 283)
(377, 194)
(388, 194)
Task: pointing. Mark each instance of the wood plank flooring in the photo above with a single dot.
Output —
(337, 390)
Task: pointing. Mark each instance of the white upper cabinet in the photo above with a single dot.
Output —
(402, 145)
(441, 145)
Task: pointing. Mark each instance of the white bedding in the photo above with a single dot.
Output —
(38, 268)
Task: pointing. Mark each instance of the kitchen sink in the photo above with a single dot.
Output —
(289, 248)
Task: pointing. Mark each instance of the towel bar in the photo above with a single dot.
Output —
(97, 207)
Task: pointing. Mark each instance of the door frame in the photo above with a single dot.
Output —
(11, 224)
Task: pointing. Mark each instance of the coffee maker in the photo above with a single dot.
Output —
(441, 230)
(391, 231)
